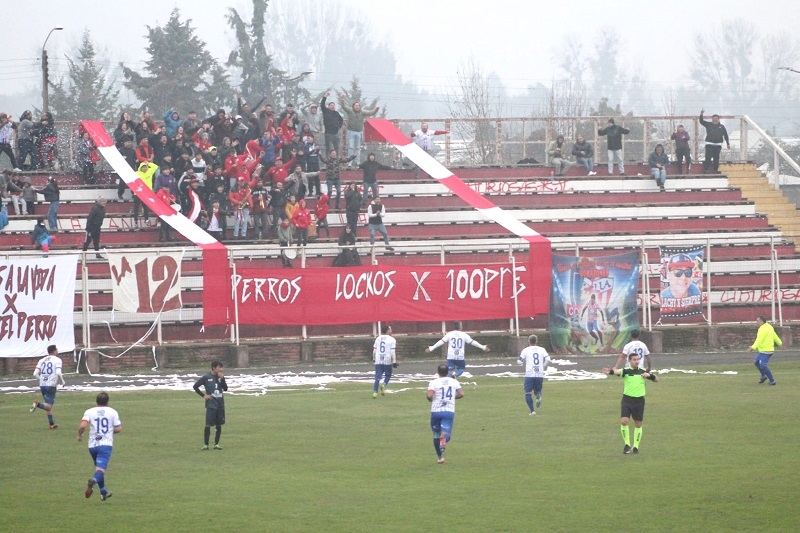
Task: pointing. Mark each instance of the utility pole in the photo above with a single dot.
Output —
(45, 73)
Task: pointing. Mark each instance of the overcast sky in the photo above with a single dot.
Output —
(515, 38)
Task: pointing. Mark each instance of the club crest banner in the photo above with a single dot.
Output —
(593, 303)
(315, 296)
(146, 282)
(38, 303)
(681, 294)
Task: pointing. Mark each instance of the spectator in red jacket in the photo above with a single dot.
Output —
(302, 220)
(242, 201)
(145, 152)
(278, 174)
(321, 212)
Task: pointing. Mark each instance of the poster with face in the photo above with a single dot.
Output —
(681, 284)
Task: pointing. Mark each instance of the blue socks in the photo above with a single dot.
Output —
(529, 401)
(437, 447)
(100, 479)
(40, 405)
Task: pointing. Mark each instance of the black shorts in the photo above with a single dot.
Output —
(215, 416)
(632, 408)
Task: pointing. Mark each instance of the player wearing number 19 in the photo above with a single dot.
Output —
(443, 393)
(456, 342)
(48, 370)
(383, 352)
(213, 385)
(103, 423)
(535, 358)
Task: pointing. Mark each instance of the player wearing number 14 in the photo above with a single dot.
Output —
(48, 370)
(535, 358)
(103, 422)
(443, 393)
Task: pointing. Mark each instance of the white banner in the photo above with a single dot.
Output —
(37, 305)
(146, 282)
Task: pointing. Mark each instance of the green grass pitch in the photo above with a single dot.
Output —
(719, 453)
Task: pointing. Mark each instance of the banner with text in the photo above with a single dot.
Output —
(381, 293)
(146, 282)
(593, 303)
(681, 284)
(38, 302)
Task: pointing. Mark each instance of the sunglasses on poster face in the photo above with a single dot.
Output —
(680, 273)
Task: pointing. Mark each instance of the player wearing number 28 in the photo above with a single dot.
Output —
(535, 358)
(103, 422)
(383, 352)
(456, 342)
(443, 393)
(48, 370)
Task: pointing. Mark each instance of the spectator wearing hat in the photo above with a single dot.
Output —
(658, 162)
(716, 134)
(146, 174)
(240, 129)
(41, 238)
(7, 128)
(680, 273)
(171, 121)
(25, 142)
(370, 180)
(314, 120)
(51, 194)
(191, 124)
(584, 154)
(94, 224)
(348, 255)
(355, 127)
(202, 139)
(332, 121)
(614, 135)
(278, 174)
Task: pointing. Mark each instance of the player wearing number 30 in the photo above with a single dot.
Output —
(456, 342)
(103, 422)
(48, 370)
(383, 352)
(535, 359)
(443, 393)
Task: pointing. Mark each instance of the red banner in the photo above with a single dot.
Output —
(382, 293)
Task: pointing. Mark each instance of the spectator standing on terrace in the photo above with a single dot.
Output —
(46, 141)
(370, 181)
(423, 137)
(632, 400)
(7, 128)
(169, 199)
(764, 346)
(301, 219)
(682, 149)
(285, 240)
(25, 142)
(332, 121)
(352, 205)
(260, 210)
(716, 134)
(614, 135)
(385, 358)
(333, 170)
(311, 165)
(171, 122)
(129, 155)
(313, 119)
(242, 202)
(94, 224)
(535, 358)
(103, 422)
(145, 173)
(456, 341)
(442, 394)
(277, 202)
(658, 162)
(584, 154)
(375, 214)
(321, 212)
(28, 196)
(191, 124)
(86, 158)
(51, 194)
(41, 238)
(211, 387)
(558, 155)
(48, 372)
(289, 118)
(355, 127)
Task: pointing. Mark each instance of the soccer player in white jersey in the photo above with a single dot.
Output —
(443, 393)
(383, 352)
(456, 342)
(639, 348)
(535, 359)
(103, 422)
(48, 370)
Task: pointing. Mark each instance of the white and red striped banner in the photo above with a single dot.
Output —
(383, 130)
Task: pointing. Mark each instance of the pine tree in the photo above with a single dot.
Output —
(182, 73)
(354, 94)
(85, 93)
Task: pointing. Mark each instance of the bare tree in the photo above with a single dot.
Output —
(566, 98)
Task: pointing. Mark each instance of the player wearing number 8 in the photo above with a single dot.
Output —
(383, 352)
(48, 370)
(456, 342)
(535, 358)
(443, 393)
(639, 348)
(103, 422)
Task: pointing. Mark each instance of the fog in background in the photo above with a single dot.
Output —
(649, 58)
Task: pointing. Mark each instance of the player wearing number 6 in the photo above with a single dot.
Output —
(443, 393)
(103, 422)
(639, 348)
(383, 352)
(456, 342)
(535, 359)
(48, 370)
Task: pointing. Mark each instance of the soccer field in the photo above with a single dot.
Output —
(719, 453)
